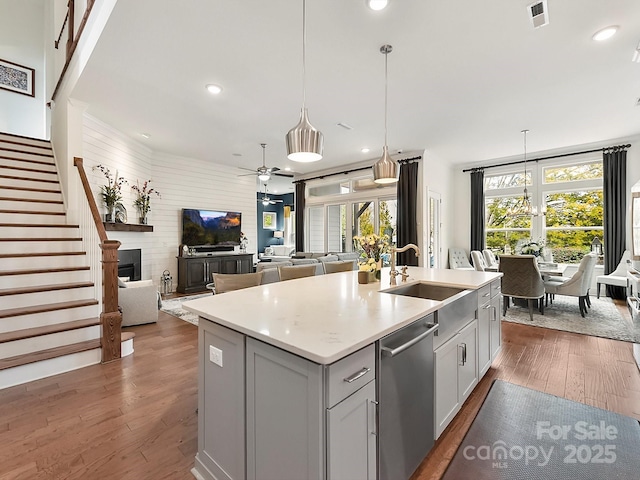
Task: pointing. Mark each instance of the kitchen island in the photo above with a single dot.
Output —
(283, 366)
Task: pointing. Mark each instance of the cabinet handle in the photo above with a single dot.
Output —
(357, 375)
(461, 353)
(463, 346)
(487, 294)
(495, 313)
(486, 307)
(392, 352)
(372, 430)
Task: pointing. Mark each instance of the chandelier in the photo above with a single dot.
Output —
(523, 207)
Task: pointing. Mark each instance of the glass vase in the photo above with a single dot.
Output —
(109, 217)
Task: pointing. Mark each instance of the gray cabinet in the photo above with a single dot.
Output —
(456, 374)
(351, 437)
(195, 272)
(489, 325)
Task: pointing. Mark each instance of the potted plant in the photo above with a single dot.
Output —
(371, 248)
(111, 192)
(143, 200)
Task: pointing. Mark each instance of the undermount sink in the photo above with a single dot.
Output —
(426, 291)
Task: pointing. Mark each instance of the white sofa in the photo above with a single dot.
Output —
(139, 302)
(270, 269)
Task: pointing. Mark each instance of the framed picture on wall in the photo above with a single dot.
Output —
(269, 220)
(16, 78)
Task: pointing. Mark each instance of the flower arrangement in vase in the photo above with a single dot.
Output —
(371, 248)
(143, 200)
(111, 192)
(533, 248)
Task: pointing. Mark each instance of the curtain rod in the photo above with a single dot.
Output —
(616, 147)
(345, 172)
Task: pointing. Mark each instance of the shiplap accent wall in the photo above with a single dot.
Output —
(182, 183)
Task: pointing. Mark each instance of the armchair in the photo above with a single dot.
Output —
(490, 259)
(458, 259)
(478, 261)
(578, 285)
(521, 279)
(618, 277)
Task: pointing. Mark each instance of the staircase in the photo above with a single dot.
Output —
(49, 316)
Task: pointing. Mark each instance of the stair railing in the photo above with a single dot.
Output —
(105, 275)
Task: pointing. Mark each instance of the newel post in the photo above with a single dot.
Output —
(110, 318)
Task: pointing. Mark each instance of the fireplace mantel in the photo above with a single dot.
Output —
(127, 227)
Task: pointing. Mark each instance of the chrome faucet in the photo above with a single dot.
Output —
(394, 273)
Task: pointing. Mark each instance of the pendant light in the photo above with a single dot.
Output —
(385, 170)
(304, 142)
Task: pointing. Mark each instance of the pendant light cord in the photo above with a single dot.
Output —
(525, 164)
(304, 54)
(386, 73)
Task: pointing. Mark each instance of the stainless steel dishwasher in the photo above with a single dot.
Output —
(405, 397)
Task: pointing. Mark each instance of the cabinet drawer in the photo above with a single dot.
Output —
(349, 374)
(496, 288)
(484, 294)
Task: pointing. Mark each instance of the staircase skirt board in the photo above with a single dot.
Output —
(44, 342)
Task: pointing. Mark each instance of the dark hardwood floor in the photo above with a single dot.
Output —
(136, 419)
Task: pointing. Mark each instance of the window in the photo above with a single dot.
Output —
(340, 210)
(571, 197)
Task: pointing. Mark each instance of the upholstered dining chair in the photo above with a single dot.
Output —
(617, 278)
(521, 279)
(459, 260)
(490, 260)
(576, 286)
(226, 282)
(478, 260)
(339, 266)
(296, 271)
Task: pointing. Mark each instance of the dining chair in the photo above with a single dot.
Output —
(617, 278)
(459, 260)
(577, 286)
(478, 261)
(521, 279)
(490, 259)
(226, 282)
(339, 266)
(296, 271)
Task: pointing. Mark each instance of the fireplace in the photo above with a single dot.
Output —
(130, 264)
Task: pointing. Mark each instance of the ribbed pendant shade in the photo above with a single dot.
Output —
(304, 142)
(385, 170)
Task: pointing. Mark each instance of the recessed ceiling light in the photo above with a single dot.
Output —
(287, 169)
(214, 89)
(377, 4)
(365, 150)
(605, 33)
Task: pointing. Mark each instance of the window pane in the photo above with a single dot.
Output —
(586, 171)
(498, 240)
(331, 189)
(570, 245)
(497, 213)
(316, 229)
(362, 219)
(336, 227)
(507, 180)
(575, 209)
(388, 212)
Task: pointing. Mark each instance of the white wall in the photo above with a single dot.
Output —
(462, 184)
(437, 177)
(182, 183)
(22, 42)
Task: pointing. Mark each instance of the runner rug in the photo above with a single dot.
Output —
(523, 434)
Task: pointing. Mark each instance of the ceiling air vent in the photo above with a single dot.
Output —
(538, 14)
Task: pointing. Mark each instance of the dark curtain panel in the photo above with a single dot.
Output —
(299, 206)
(407, 208)
(477, 210)
(615, 209)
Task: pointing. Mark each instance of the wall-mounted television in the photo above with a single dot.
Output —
(210, 227)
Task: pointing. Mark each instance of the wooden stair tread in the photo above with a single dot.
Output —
(36, 239)
(44, 288)
(31, 200)
(48, 354)
(50, 307)
(40, 154)
(16, 177)
(40, 254)
(25, 169)
(46, 146)
(30, 189)
(124, 336)
(32, 212)
(43, 270)
(27, 160)
(48, 329)
(39, 225)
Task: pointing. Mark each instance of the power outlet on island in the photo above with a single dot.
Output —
(215, 355)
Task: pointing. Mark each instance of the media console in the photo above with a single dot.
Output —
(194, 271)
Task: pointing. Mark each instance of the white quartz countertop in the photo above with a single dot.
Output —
(327, 317)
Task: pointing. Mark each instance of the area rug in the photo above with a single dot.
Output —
(602, 320)
(522, 434)
(174, 307)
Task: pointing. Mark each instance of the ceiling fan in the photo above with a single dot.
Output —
(264, 172)
(266, 200)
